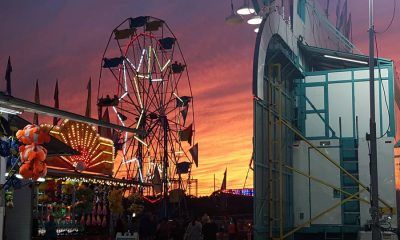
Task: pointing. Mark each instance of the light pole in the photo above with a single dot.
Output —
(373, 165)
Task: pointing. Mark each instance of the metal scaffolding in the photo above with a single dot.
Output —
(277, 110)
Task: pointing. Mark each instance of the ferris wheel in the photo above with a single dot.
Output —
(144, 84)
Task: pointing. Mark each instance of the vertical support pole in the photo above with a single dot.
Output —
(279, 86)
(270, 120)
(2, 197)
(214, 182)
(374, 210)
(165, 167)
(3, 171)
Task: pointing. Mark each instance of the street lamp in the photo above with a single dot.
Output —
(245, 9)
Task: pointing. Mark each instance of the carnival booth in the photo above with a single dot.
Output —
(75, 188)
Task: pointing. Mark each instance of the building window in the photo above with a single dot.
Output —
(301, 9)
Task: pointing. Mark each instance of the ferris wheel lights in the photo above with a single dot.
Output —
(130, 160)
(123, 95)
(157, 80)
(141, 59)
(148, 62)
(140, 119)
(165, 65)
(255, 20)
(141, 141)
(180, 99)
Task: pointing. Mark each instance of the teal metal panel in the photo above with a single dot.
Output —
(392, 129)
(349, 161)
(380, 104)
(326, 107)
(352, 206)
(381, 111)
(301, 9)
(353, 105)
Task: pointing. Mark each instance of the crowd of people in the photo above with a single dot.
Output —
(197, 228)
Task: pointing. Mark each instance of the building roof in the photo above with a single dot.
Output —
(54, 148)
(327, 59)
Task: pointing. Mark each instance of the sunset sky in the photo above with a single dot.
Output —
(64, 40)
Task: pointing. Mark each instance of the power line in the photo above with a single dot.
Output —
(391, 20)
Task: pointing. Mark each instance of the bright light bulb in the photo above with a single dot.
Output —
(245, 11)
(254, 20)
(256, 30)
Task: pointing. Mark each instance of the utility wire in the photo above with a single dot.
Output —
(391, 20)
(383, 87)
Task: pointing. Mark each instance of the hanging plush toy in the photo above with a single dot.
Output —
(104, 223)
(115, 201)
(14, 146)
(11, 161)
(9, 197)
(33, 161)
(67, 188)
(43, 198)
(4, 148)
(42, 187)
(30, 152)
(32, 134)
(93, 219)
(33, 169)
(84, 196)
(12, 183)
(88, 220)
(82, 221)
(104, 209)
(26, 170)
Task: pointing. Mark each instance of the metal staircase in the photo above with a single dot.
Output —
(349, 161)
